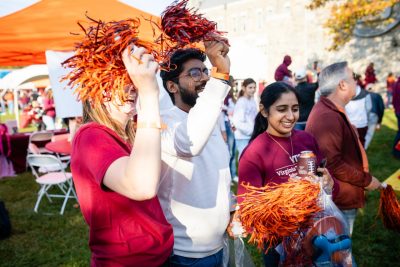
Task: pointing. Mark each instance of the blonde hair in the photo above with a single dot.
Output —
(97, 112)
(49, 93)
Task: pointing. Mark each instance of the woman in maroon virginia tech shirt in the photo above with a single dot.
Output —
(116, 170)
(275, 146)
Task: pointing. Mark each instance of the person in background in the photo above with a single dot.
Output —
(9, 98)
(359, 81)
(49, 110)
(338, 140)
(195, 177)
(222, 128)
(358, 110)
(282, 73)
(370, 75)
(390, 81)
(34, 94)
(244, 114)
(306, 93)
(32, 114)
(275, 146)
(375, 115)
(40, 95)
(396, 106)
(227, 110)
(2, 102)
(23, 100)
(312, 74)
(116, 168)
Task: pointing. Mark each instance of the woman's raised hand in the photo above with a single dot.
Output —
(142, 69)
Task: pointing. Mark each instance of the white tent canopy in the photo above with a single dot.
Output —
(20, 76)
(17, 79)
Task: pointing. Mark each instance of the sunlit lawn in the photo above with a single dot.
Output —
(6, 117)
(48, 239)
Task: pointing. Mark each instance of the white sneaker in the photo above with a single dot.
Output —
(235, 179)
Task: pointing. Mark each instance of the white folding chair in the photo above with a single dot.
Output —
(35, 150)
(40, 137)
(60, 179)
(43, 136)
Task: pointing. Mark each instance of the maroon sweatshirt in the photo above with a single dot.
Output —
(338, 141)
(264, 161)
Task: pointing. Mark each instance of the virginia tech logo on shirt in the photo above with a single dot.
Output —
(291, 169)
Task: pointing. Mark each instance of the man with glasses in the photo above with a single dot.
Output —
(338, 139)
(195, 176)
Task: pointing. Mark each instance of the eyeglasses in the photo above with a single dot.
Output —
(196, 73)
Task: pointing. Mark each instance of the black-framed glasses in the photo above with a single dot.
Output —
(197, 73)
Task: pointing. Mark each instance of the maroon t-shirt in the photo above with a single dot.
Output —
(48, 107)
(123, 232)
(264, 161)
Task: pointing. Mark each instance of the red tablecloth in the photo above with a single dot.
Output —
(60, 147)
(19, 149)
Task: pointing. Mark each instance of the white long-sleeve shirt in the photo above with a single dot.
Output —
(195, 179)
(358, 109)
(243, 117)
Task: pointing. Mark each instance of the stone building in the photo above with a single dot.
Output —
(261, 32)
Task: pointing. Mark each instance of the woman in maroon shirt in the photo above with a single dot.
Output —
(116, 162)
(275, 146)
(49, 110)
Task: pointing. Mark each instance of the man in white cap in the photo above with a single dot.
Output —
(306, 93)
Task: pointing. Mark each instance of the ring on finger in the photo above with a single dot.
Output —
(139, 61)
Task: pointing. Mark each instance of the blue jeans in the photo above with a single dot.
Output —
(10, 105)
(350, 216)
(232, 148)
(241, 145)
(2, 105)
(214, 260)
(389, 99)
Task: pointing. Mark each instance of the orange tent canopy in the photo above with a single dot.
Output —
(47, 25)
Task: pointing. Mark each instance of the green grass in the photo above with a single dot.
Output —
(48, 239)
(6, 117)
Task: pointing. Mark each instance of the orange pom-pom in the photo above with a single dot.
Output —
(389, 209)
(276, 211)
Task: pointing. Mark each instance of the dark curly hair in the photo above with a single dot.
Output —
(178, 58)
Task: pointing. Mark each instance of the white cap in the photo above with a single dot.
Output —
(300, 74)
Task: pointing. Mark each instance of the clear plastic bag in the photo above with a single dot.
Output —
(325, 243)
(235, 252)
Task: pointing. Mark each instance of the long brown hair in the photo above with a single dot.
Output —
(97, 112)
(245, 83)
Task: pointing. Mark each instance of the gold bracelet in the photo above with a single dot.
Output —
(150, 124)
(218, 75)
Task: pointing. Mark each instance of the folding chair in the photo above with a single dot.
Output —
(35, 150)
(42, 137)
(39, 137)
(61, 179)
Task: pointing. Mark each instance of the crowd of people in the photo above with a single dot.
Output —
(37, 106)
(154, 183)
